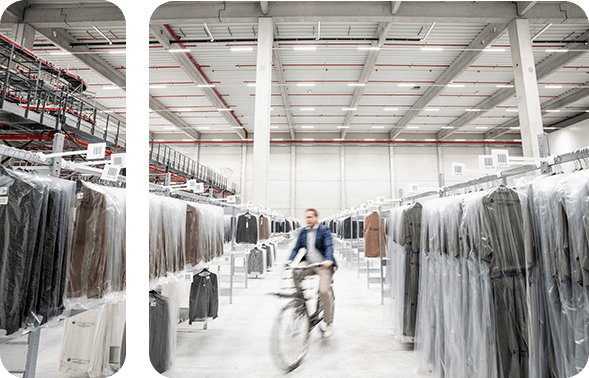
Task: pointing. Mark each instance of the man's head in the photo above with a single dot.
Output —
(311, 215)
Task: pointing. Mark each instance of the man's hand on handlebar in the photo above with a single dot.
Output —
(327, 264)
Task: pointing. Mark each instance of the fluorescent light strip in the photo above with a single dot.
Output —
(251, 84)
(460, 140)
(343, 127)
(400, 140)
(368, 48)
(455, 85)
(368, 139)
(157, 86)
(473, 110)
(432, 109)
(203, 128)
(274, 127)
(305, 48)
(307, 109)
(217, 140)
(511, 110)
(205, 85)
(60, 53)
(338, 139)
(308, 139)
(390, 109)
(482, 127)
(556, 50)
(447, 127)
(277, 139)
(236, 127)
(224, 110)
(356, 84)
(406, 85)
(305, 84)
(169, 127)
(378, 127)
(432, 49)
(504, 86)
(430, 140)
(517, 140)
(242, 48)
(413, 127)
(307, 127)
(553, 86)
(554, 111)
(111, 87)
(348, 108)
(187, 140)
(179, 50)
(515, 128)
(118, 52)
(494, 50)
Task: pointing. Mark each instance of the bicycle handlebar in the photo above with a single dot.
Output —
(303, 267)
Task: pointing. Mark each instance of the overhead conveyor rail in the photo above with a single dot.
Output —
(173, 161)
(37, 97)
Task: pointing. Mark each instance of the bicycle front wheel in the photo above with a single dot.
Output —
(290, 336)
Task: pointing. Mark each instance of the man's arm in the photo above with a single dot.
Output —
(329, 259)
(296, 248)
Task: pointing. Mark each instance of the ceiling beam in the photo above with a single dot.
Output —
(381, 33)
(264, 7)
(282, 85)
(564, 100)
(163, 111)
(395, 6)
(365, 11)
(524, 6)
(67, 17)
(543, 69)
(63, 39)
(474, 50)
(164, 36)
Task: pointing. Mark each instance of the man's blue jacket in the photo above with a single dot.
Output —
(323, 243)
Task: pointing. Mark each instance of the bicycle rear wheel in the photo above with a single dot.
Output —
(290, 336)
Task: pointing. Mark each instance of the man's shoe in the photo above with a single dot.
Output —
(328, 331)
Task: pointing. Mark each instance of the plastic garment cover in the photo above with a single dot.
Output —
(445, 328)
(87, 340)
(558, 211)
(402, 276)
(37, 221)
(227, 222)
(97, 263)
(163, 326)
(211, 231)
(167, 235)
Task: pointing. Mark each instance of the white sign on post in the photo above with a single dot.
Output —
(96, 151)
(199, 188)
(231, 199)
(191, 184)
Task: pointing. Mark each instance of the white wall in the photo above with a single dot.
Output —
(318, 178)
(569, 138)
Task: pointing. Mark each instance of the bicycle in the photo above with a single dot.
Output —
(293, 326)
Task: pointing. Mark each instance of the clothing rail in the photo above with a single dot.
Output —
(37, 158)
(582, 153)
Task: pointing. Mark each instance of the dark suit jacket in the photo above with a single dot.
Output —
(323, 243)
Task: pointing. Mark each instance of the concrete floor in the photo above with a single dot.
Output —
(237, 343)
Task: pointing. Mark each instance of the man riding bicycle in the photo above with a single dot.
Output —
(316, 238)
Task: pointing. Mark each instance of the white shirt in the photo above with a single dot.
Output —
(313, 255)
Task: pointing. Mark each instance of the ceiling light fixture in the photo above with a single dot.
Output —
(553, 111)
(343, 127)
(179, 50)
(102, 34)
(356, 84)
(511, 110)
(553, 86)
(118, 52)
(368, 139)
(348, 108)
(309, 139)
(482, 127)
(413, 127)
(277, 139)
(473, 110)
(307, 109)
(205, 85)
(432, 109)
(455, 85)
(157, 86)
(111, 87)
(305, 84)
(430, 140)
(274, 127)
(60, 53)
(308, 127)
(217, 140)
(378, 127)
(203, 128)
(251, 84)
(504, 86)
(460, 140)
(400, 140)
(224, 110)
(494, 50)
(374, 48)
(406, 85)
(390, 109)
(432, 49)
(556, 50)
(305, 48)
(447, 127)
(241, 48)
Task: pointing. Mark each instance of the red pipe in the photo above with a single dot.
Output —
(343, 141)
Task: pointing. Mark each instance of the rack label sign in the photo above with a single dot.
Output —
(96, 151)
(3, 200)
(110, 173)
(118, 160)
(3, 191)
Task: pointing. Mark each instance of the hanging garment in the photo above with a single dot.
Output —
(255, 261)
(264, 228)
(88, 338)
(247, 229)
(269, 256)
(227, 220)
(20, 218)
(97, 263)
(409, 239)
(193, 253)
(371, 232)
(35, 264)
(163, 325)
(204, 297)
(493, 226)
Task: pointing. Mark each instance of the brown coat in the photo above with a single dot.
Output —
(371, 244)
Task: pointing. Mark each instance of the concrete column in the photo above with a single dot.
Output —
(197, 151)
(24, 35)
(262, 111)
(440, 160)
(392, 170)
(293, 183)
(243, 171)
(526, 86)
(343, 177)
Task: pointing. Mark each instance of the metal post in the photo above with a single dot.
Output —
(81, 113)
(380, 231)
(58, 140)
(544, 152)
(32, 350)
(7, 77)
(168, 179)
(43, 110)
(106, 128)
(117, 137)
